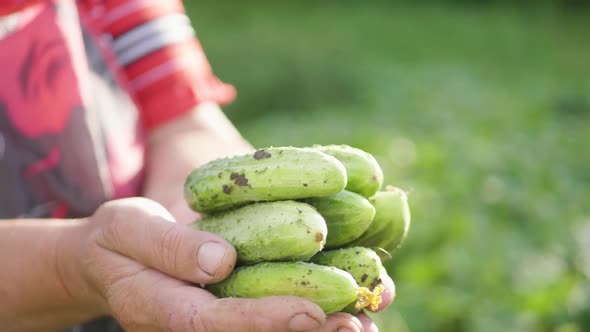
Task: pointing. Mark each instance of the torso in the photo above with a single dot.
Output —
(69, 133)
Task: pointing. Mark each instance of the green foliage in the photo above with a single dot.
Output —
(482, 115)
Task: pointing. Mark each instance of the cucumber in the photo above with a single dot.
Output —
(272, 174)
(347, 214)
(363, 264)
(391, 223)
(330, 288)
(365, 176)
(271, 231)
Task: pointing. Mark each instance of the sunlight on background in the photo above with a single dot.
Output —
(480, 109)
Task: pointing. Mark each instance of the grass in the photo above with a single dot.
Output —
(482, 113)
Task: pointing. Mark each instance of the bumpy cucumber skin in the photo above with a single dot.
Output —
(362, 263)
(330, 288)
(271, 174)
(271, 231)
(391, 223)
(365, 176)
(347, 214)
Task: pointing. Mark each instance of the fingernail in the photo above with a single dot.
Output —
(344, 329)
(210, 256)
(303, 322)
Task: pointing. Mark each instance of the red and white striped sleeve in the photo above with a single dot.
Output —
(164, 63)
(8, 7)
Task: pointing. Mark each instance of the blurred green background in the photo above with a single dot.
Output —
(479, 109)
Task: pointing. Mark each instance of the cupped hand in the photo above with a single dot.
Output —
(136, 263)
(334, 322)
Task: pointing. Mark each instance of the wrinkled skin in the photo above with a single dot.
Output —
(140, 265)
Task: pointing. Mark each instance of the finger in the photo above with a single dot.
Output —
(388, 294)
(141, 229)
(144, 299)
(269, 314)
(368, 324)
(341, 322)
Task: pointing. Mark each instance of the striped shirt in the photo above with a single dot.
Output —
(82, 83)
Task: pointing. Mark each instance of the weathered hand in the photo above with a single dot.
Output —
(142, 268)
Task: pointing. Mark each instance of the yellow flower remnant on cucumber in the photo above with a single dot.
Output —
(369, 299)
(365, 267)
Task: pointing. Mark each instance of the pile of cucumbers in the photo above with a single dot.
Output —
(311, 222)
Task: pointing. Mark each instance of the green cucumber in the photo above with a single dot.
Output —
(362, 263)
(365, 176)
(347, 214)
(271, 231)
(391, 223)
(272, 174)
(330, 288)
